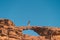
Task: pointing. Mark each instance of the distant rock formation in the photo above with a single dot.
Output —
(8, 31)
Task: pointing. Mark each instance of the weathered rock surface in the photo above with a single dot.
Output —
(8, 31)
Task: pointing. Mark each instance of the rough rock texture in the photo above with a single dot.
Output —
(8, 31)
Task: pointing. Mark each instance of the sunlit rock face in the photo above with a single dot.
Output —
(8, 31)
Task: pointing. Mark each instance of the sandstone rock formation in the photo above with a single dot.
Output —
(8, 31)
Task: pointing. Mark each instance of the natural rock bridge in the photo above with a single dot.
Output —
(8, 31)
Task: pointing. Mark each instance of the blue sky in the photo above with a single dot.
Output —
(39, 12)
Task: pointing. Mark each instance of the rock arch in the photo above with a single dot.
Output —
(9, 30)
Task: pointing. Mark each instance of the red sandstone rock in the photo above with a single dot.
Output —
(8, 31)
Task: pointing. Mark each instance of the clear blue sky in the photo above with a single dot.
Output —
(39, 12)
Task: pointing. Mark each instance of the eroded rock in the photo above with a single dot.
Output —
(8, 31)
